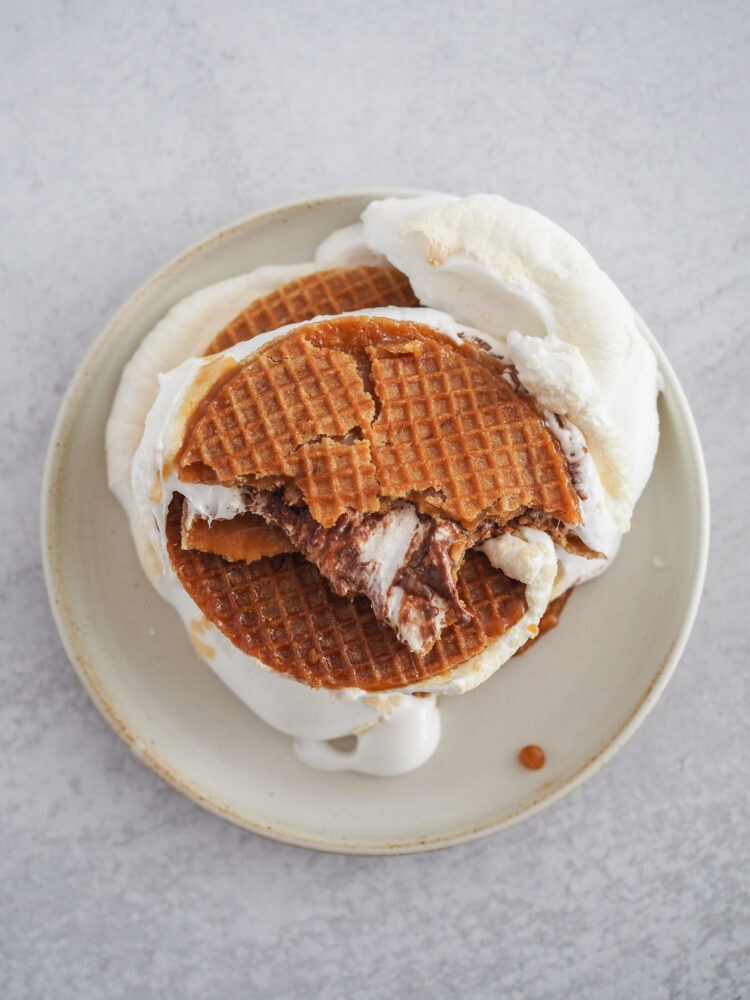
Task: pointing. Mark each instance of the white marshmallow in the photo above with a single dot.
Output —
(486, 268)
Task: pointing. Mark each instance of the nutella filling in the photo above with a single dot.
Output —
(404, 562)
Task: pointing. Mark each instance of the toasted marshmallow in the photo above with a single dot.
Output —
(489, 271)
(572, 336)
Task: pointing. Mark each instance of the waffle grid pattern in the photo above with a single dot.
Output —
(450, 432)
(333, 476)
(281, 611)
(287, 395)
(452, 426)
(324, 293)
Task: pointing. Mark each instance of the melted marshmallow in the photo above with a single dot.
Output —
(501, 276)
(399, 744)
(154, 481)
(571, 334)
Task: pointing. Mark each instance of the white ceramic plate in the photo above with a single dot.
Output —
(580, 693)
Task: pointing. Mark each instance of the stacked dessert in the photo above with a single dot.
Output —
(378, 475)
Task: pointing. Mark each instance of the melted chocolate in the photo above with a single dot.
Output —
(426, 575)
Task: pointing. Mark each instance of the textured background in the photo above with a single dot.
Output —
(128, 132)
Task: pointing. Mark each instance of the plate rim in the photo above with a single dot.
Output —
(66, 625)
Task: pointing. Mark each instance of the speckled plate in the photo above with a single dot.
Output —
(580, 693)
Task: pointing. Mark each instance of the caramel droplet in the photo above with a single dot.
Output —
(532, 757)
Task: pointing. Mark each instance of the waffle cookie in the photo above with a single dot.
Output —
(359, 413)
(431, 421)
(334, 291)
(283, 612)
(325, 293)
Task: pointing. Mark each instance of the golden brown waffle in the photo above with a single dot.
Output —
(326, 293)
(245, 537)
(333, 476)
(281, 611)
(435, 423)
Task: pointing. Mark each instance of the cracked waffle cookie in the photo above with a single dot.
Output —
(339, 394)
(331, 292)
(412, 415)
(282, 611)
